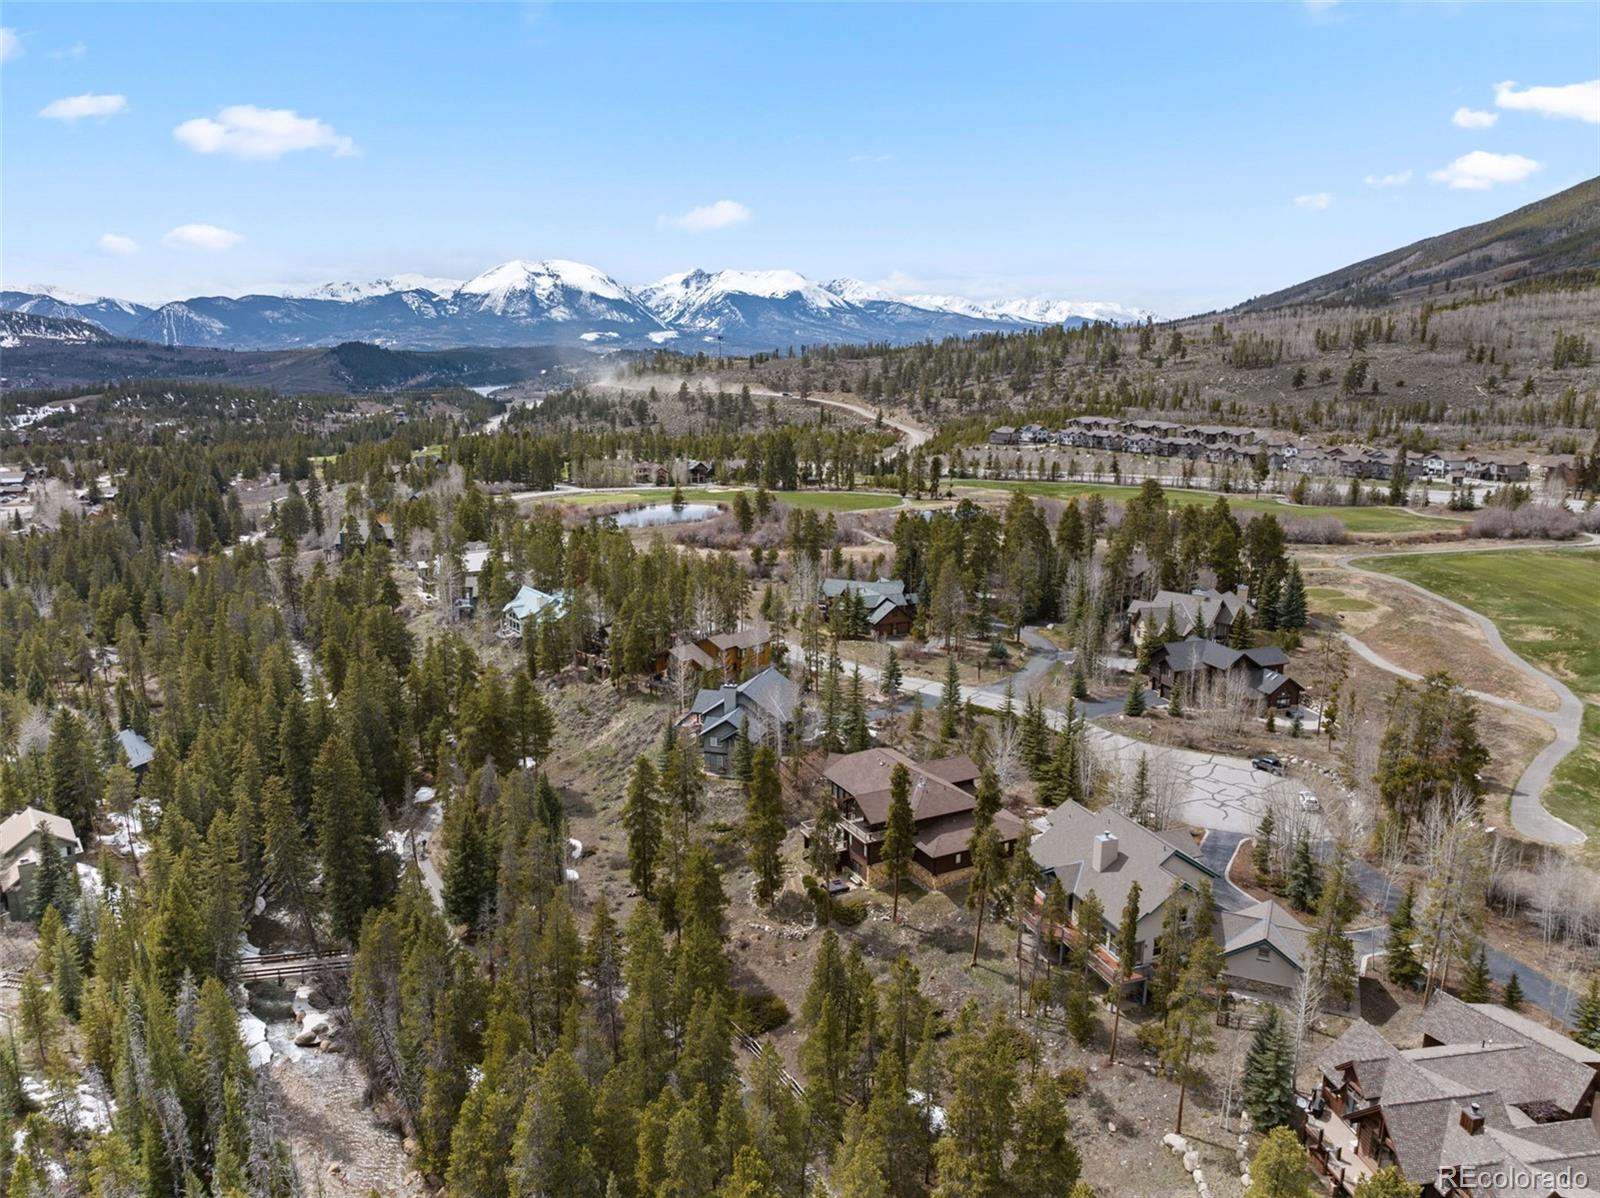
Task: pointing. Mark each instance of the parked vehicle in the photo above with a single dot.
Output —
(1267, 763)
(1309, 801)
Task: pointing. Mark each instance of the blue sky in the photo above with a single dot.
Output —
(1174, 157)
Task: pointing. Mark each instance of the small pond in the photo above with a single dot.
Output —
(664, 513)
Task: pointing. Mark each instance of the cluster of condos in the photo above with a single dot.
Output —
(1223, 444)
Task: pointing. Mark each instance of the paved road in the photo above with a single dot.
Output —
(1216, 853)
(1528, 813)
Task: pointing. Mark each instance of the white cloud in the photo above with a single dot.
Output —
(1580, 101)
(245, 131)
(721, 215)
(1473, 118)
(10, 44)
(1397, 179)
(75, 108)
(116, 243)
(71, 53)
(872, 158)
(1481, 170)
(201, 237)
(1316, 201)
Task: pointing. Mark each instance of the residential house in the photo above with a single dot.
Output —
(136, 751)
(1491, 1105)
(1105, 852)
(764, 705)
(888, 607)
(943, 799)
(1189, 611)
(696, 472)
(24, 839)
(525, 608)
(734, 654)
(1203, 666)
(1004, 435)
(1033, 434)
(649, 474)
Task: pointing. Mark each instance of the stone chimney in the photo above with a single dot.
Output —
(1105, 852)
(1472, 1119)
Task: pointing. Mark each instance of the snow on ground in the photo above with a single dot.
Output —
(83, 1108)
(127, 835)
(425, 794)
(253, 1031)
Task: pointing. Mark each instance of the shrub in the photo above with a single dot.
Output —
(759, 1012)
(1073, 1081)
(1546, 521)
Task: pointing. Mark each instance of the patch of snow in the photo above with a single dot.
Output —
(253, 1033)
(592, 336)
(425, 794)
(662, 336)
(349, 291)
(576, 846)
(572, 875)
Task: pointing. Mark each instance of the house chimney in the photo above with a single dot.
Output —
(1472, 1119)
(1105, 852)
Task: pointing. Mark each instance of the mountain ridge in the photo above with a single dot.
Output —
(557, 301)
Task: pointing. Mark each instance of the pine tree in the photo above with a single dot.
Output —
(857, 735)
(1175, 699)
(1188, 1035)
(1476, 981)
(899, 836)
(1292, 605)
(1586, 1024)
(750, 1177)
(1329, 952)
(1268, 1082)
(891, 678)
(641, 817)
(1511, 996)
(1127, 944)
(763, 825)
(1239, 634)
(950, 701)
(1279, 1169)
(469, 871)
(1045, 1162)
(1261, 849)
(345, 813)
(743, 753)
(1400, 961)
(1387, 1183)
(1134, 704)
(1305, 884)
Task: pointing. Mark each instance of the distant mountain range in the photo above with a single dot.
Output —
(562, 303)
(38, 351)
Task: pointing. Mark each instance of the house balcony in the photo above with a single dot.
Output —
(1102, 961)
(1330, 1143)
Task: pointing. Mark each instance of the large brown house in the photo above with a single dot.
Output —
(734, 653)
(1200, 666)
(943, 796)
(1489, 1096)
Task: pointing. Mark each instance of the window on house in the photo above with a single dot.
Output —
(1263, 953)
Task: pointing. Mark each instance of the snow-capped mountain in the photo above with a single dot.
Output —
(113, 315)
(557, 302)
(27, 328)
(354, 291)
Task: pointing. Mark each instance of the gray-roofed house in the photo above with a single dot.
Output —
(764, 704)
(1492, 1105)
(943, 798)
(137, 753)
(1106, 852)
(885, 603)
(528, 604)
(1188, 611)
(1200, 665)
(24, 838)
